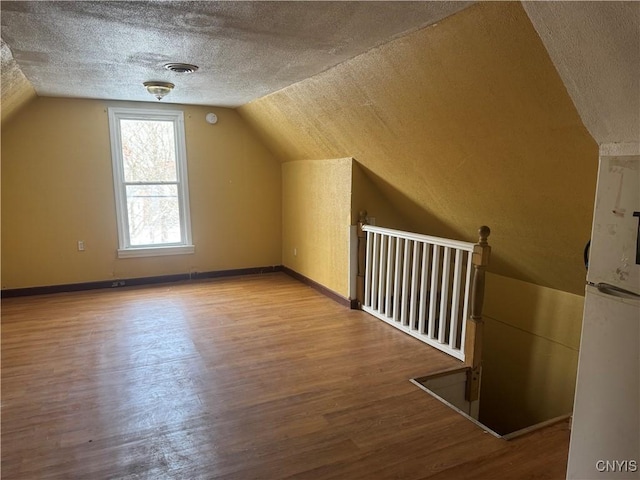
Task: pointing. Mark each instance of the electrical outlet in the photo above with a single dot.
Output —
(81, 245)
(295, 252)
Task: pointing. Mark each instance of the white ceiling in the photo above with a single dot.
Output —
(245, 50)
(595, 47)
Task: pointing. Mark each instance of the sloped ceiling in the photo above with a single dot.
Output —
(16, 89)
(595, 47)
(249, 49)
(460, 124)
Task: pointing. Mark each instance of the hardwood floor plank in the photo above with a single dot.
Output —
(234, 378)
(527, 457)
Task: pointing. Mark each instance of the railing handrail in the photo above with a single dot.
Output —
(388, 288)
(445, 242)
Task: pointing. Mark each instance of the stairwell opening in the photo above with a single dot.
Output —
(449, 387)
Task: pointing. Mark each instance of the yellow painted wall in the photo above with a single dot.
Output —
(457, 125)
(14, 99)
(532, 336)
(316, 212)
(368, 194)
(320, 199)
(57, 189)
(468, 123)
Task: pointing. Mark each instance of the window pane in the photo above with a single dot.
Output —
(154, 214)
(148, 151)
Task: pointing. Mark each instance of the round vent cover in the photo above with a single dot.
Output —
(181, 67)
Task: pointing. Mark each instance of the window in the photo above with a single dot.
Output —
(150, 181)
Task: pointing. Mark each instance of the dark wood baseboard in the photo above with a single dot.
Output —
(236, 272)
(131, 282)
(321, 288)
(180, 277)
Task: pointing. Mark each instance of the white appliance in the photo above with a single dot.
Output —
(605, 433)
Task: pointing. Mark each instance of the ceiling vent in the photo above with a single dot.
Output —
(181, 67)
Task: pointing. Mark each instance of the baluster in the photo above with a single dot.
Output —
(374, 272)
(389, 286)
(424, 282)
(405, 282)
(381, 278)
(435, 267)
(414, 286)
(455, 300)
(396, 280)
(444, 295)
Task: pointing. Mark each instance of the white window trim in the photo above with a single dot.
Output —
(155, 251)
(125, 249)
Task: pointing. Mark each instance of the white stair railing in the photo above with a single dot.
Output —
(428, 287)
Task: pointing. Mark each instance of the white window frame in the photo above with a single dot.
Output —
(125, 249)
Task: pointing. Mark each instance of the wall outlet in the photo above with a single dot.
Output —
(295, 252)
(81, 245)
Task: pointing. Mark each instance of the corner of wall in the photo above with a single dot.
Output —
(316, 206)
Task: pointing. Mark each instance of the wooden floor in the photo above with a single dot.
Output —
(254, 377)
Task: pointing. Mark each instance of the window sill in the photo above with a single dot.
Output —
(156, 251)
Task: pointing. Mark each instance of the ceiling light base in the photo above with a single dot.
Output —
(159, 89)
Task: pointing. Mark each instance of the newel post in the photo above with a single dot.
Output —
(362, 251)
(473, 336)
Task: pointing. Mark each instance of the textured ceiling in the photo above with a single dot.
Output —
(16, 89)
(245, 50)
(490, 136)
(595, 47)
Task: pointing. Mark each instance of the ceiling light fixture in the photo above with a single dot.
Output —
(159, 89)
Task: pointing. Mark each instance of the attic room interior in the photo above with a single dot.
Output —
(242, 357)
